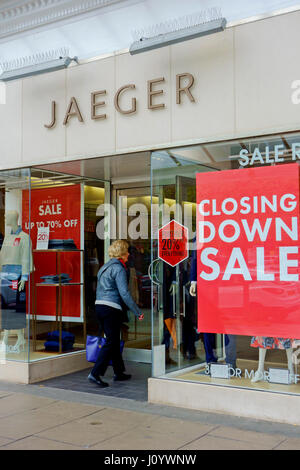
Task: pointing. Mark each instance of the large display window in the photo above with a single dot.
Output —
(120, 209)
(225, 306)
(50, 255)
(16, 267)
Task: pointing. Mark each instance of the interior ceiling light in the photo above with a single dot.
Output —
(42, 62)
(188, 27)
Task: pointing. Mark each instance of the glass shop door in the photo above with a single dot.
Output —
(176, 342)
(133, 209)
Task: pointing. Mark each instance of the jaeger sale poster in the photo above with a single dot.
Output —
(248, 251)
(58, 208)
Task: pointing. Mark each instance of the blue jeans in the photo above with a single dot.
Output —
(230, 348)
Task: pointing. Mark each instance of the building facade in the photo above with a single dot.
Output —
(116, 148)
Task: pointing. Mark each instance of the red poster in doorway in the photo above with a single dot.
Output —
(248, 251)
(60, 209)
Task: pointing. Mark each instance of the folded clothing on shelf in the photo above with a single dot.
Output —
(60, 244)
(54, 278)
(52, 343)
(54, 346)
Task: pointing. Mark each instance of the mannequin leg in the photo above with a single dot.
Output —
(20, 344)
(5, 337)
(259, 374)
(289, 355)
(4, 342)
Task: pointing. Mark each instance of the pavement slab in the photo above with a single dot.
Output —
(42, 418)
(143, 439)
(289, 444)
(256, 438)
(176, 427)
(218, 443)
(36, 443)
(12, 404)
(124, 418)
(70, 411)
(81, 433)
(22, 425)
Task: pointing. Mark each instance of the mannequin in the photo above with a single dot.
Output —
(16, 265)
(264, 343)
(209, 338)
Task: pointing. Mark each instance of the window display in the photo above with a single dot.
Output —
(234, 302)
(16, 265)
(42, 261)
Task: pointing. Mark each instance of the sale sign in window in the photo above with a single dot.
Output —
(56, 236)
(248, 251)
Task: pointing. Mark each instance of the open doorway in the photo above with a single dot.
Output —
(126, 187)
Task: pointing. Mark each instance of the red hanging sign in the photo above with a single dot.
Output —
(59, 209)
(173, 243)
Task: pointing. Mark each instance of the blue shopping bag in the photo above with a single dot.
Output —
(94, 345)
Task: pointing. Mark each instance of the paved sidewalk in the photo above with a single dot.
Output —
(42, 418)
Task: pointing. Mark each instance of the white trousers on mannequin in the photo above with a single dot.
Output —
(19, 344)
(259, 374)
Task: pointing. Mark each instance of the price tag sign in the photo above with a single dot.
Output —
(279, 376)
(220, 371)
(173, 243)
(42, 241)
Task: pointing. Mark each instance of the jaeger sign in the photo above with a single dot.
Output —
(184, 83)
(248, 251)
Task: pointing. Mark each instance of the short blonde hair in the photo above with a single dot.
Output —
(118, 248)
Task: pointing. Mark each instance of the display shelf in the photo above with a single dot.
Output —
(52, 250)
(58, 286)
(62, 284)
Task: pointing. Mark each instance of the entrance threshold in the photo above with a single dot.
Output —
(133, 389)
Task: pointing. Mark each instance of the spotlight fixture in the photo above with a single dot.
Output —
(44, 62)
(206, 22)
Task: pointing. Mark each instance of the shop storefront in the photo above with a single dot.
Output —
(55, 233)
(182, 154)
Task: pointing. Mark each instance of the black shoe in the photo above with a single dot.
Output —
(97, 381)
(170, 361)
(122, 377)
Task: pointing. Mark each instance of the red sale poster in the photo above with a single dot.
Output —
(58, 208)
(248, 251)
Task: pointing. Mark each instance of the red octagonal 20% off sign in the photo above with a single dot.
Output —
(173, 246)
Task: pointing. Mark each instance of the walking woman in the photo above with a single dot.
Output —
(112, 291)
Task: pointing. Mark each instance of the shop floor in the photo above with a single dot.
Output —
(133, 389)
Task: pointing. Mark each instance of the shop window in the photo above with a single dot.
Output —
(50, 256)
(227, 314)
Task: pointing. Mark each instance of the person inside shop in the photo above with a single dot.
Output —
(112, 291)
(169, 274)
(209, 339)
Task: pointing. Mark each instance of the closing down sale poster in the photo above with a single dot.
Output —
(248, 251)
